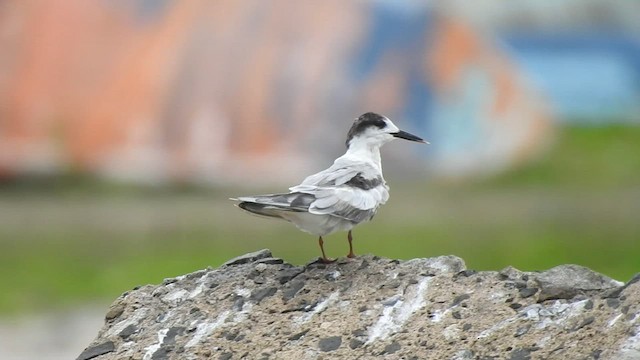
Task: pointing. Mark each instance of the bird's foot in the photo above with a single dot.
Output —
(351, 255)
(326, 260)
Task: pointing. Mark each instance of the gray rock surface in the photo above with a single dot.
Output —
(260, 307)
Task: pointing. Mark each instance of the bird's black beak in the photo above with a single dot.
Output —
(407, 136)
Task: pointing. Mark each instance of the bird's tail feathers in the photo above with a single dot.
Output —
(274, 205)
(260, 209)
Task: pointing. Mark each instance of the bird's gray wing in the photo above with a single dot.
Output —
(352, 191)
(341, 172)
(293, 201)
(276, 205)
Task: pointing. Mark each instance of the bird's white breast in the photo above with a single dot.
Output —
(318, 224)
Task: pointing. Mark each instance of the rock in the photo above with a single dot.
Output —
(586, 321)
(463, 355)
(467, 273)
(527, 292)
(567, 281)
(613, 302)
(270, 261)
(520, 354)
(287, 274)
(128, 331)
(510, 273)
(615, 292)
(460, 298)
(250, 257)
(97, 350)
(438, 265)
(298, 335)
(330, 343)
(290, 291)
(371, 307)
(522, 330)
(115, 311)
(259, 294)
(392, 348)
(355, 343)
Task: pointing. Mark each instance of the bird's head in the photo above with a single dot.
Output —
(375, 130)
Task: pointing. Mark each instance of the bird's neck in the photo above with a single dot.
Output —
(365, 152)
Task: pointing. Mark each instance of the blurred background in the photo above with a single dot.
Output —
(125, 126)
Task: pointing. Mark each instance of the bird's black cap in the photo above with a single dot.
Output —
(363, 122)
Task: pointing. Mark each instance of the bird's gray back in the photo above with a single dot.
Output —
(349, 190)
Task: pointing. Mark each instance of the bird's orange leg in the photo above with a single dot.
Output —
(350, 255)
(324, 259)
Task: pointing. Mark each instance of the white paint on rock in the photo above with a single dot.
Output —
(560, 312)
(126, 347)
(245, 293)
(438, 315)
(182, 294)
(168, 315)
(198, 290)
(205, 328)
(335, 275)
(151, 349)
(555, 314)
(614, 320)
(500, 325)
(247, 306)
(395, 316)
(319, 308)
(176, 295)
(630, 349)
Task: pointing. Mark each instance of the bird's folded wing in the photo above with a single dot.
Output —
(296, 201)
(352, 192)
(353, 205)
(341, 172)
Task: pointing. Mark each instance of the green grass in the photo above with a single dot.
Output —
(595, 157)
(74, 239)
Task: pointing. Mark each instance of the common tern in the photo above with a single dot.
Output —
(344, 195)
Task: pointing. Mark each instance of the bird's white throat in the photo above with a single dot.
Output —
(365, 151)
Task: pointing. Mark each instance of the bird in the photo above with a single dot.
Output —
(346, 194)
